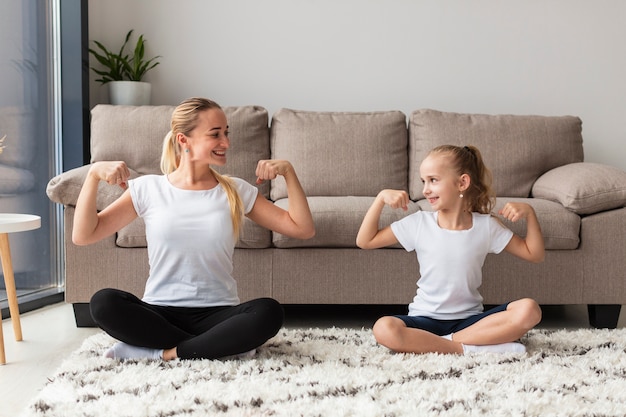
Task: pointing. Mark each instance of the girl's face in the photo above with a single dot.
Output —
(442, 184)
(209, 141)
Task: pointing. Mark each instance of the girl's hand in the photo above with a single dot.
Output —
(269, 169)
(112, 172)
(516, 211)
(395, 198)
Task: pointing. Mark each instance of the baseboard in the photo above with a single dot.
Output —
(34, 301)
(82, 314)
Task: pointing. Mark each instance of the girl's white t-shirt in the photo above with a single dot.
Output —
(190, 241)
(450, 262)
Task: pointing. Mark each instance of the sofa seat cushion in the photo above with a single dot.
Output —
(341, 153)
(559, 226)
(15, 180)
(584, 187)
(516, 148)
(337, 221)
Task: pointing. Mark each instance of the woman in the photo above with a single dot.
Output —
(190, 307)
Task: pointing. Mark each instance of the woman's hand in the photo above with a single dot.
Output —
(112, 172)
(269, 169)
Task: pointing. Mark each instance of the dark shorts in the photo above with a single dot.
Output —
(445, 327)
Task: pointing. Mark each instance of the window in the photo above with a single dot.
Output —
(31, 145)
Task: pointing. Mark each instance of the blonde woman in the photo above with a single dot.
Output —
(190, 308)
(451, 243)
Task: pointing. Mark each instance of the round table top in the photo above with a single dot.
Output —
(14, 222)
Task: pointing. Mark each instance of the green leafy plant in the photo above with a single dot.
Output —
(122, 66)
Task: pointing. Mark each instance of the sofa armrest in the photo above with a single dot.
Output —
(583, 187)
(65, 187)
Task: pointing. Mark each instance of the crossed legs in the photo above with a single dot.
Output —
(188, 333)
(498, 328)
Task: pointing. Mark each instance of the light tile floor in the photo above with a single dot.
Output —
(50, 334)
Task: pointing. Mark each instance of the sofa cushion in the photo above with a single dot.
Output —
(559, 226)
(133, 134)
(583, 187)
(340, 153)
(337, 221)
(517, 149)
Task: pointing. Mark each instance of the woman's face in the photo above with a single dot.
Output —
(442, 184)
(209, 141)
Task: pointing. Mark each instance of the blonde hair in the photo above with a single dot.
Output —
(184, 120)
(479, 196)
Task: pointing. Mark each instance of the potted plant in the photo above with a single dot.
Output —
(124, 72)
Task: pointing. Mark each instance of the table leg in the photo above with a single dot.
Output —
(9, 282)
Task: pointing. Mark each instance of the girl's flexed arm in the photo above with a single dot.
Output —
(530, 248)
(90, 225)
(370, 236)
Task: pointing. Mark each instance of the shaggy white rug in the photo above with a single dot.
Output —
(342, 372)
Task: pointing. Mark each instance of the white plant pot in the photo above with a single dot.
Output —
(130, 93)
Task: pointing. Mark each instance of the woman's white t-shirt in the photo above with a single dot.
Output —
(190, 241)
(450, 262)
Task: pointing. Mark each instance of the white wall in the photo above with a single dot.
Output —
(550, 57)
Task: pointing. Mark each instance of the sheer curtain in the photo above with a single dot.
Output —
(30, 147)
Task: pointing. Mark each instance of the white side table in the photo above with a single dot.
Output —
(10, 223)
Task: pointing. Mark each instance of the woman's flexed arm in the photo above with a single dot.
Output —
(90, 225)
(297, 220)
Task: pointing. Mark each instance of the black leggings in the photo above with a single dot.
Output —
(206, 332)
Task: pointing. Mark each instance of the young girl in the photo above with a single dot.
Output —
(190, 307)
(451, 244)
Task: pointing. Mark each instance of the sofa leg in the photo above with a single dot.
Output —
(604, 316)
(82, 314)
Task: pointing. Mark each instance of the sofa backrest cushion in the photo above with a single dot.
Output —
(133, 134)
(341, 153)
(517, 149)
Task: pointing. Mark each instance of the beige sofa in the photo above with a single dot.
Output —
(343, 161)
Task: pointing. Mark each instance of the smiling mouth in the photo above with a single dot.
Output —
(220, 153)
